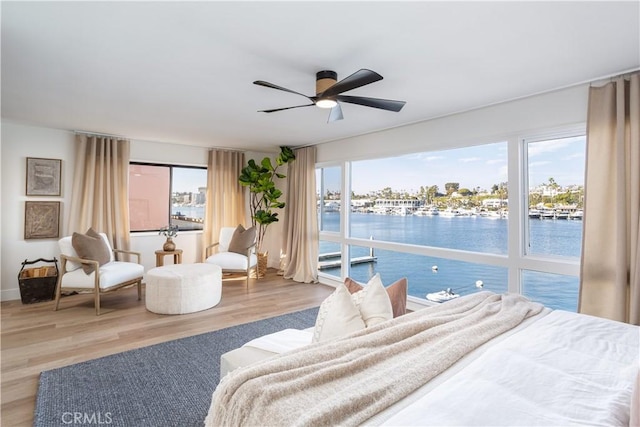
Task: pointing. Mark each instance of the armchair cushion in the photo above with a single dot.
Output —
(91, 246)
(242, 239)
(111, 274)
(232, 261)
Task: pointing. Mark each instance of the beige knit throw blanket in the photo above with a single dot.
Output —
(349, 380)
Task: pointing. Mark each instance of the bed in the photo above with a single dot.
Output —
(483, 359)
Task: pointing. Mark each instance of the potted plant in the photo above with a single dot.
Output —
(170, 231)
(264, 196)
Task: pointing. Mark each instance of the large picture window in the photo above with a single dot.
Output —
(165, 194)
(464, 219)
(434, 199)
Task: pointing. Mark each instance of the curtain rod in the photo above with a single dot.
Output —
(609, 79)
(84, 132)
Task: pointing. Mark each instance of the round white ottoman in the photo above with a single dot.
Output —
(183, 288)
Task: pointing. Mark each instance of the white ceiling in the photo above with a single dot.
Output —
(182, 72)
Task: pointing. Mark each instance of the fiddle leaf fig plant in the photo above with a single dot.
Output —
(264, 196)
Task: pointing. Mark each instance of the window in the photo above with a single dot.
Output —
(555, 196)
(166, 194)
(434, 199)
(464, 218)
(329, 183)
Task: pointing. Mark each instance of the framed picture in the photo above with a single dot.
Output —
(43, 176)
(41, 220)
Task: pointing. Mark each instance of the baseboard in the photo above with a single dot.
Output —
(9, 294)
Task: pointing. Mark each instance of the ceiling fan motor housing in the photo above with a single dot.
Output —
(324, 80)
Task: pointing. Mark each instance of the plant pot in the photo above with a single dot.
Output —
(263, 257)
(169, 245)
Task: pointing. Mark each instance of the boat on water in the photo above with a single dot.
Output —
(427, 211)
(547, 214)
(442, 296)
(449, 212)
(576, 215)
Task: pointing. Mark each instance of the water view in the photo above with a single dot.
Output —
(471, 233)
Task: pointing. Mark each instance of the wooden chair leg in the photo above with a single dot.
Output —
(97, 302)
(139, 290)
(58, 292)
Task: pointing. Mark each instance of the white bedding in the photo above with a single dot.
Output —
(282, 341)
(558, 368)
(563, 369)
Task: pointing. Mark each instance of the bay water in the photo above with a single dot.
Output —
(469, 233)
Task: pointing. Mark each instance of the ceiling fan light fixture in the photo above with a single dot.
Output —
(326, 103)
(329, 93)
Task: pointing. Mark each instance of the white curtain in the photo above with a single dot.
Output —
(610, 265)
(100, 193)
(301, 219)
(225, 204)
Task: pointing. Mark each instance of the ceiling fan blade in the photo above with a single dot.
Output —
(272, 86)
(358, 79)
(335, 114)
(383, 104)
(285, 108)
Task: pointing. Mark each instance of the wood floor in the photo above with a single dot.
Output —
(35, 338)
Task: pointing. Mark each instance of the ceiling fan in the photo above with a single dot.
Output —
(329, 93)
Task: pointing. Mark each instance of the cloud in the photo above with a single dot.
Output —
(433, 158)
(551, 146)
(494, 161)
(574, 156)
(539, 163)
(469, 159)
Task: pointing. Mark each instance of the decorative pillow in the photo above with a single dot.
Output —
(338, 316)
(397, 293)
(242, 239)
(91, 246)
(373, 302)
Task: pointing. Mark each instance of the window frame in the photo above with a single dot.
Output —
(171, 167)
(516, 260)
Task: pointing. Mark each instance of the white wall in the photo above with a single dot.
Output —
(489, 124)
(18, 143)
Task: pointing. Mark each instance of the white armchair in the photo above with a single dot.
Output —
(111, 276)
(229, 261)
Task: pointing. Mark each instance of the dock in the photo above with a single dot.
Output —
(332, 260)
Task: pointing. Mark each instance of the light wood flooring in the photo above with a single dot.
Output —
(35, 338)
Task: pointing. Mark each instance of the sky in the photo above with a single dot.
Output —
(480, 166)
(188, 179)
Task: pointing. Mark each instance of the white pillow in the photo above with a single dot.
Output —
(373, 302)
(341, 313)
(337, 316)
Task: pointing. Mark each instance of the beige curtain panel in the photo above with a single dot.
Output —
(225, 204)
(100, 193)
(610, 265)
(301, 219)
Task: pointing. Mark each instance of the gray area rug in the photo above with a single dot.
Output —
(168, 384)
